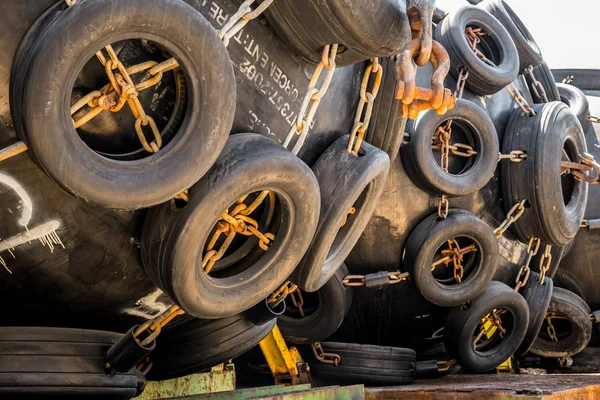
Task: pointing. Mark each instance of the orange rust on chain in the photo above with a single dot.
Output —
(420, 16)
(415, 99)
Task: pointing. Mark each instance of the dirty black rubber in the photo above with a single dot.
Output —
(367, 364)
(527, 48)
(483, 79)
(544, 75)
(538, 299)
(461, 328)
(198, 345)
(173, 240)
(309, 25)
(572, 339)
(325, 316)
(420, 161)
(386, 128)
(421, 251)
(73, 35)
(577, 102)
(587, 361)
(60, 363)
(345, 181)
(538, 178)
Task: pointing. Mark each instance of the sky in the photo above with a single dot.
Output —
(549, 20)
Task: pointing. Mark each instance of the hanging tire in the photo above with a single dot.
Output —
(173, 240)
(462, 326)
(423, 249)
(73, 35)
(573, 326)
(62, 363)
(308, 26)
(365, 364)
(538, 299)
(473, 127)
(497, 45)
(346, 181)
(527, 48)
(577, 102)
(324, 311)
(387, 126)
(544, 75)
(197, 345)
(552, 214)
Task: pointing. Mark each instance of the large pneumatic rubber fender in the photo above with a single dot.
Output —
(61, 363)
(484, 79)
(52, 56)
(362, 29)
(346, 182)
(174, 240)
(555, 204)
(577, 102)
(530, 54)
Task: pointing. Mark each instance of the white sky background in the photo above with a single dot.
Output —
(549, 20)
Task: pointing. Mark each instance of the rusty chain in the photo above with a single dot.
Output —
(515, 156)
(313, 97)
(568, 79)
(520, 100)
(242, 16)
(361, 280)
(550, 327)
(420, 16)
(593, 119)
(545, 262)
(325, 358)
(536, 86)
(454, 254)
(523, 276)
(514, 214)
(587, 163)
(443, 206)
(297, 300)
(156, 324)
(281, 293)
(362, 117)
(493, 318)
(352, 211)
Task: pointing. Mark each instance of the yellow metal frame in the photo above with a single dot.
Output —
(283, 362)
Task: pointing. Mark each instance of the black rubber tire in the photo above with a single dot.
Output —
(309, 25)
(538, 299)
(386, 128)
(73, 37)
(483, 78)
(423, 243)
(345, 181)
(334, 300)
(173, 239)
(60, 362)
(577, 102)
(422, 167)
(527, 48)
(461, 325)
(198, 345)
(543, 74)
(365, 364)
(587, 361)
(537, 179)
(568, 305)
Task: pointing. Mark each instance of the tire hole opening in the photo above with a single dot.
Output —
(460, 253)
(487, 336)
(567, 180)
(488, 45)
(464, 138)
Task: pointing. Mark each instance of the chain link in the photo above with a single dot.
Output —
(297, 300)
(511, 217)
(532, 249)
(361, 280)
(325, 358)
(156, 324)
(362, 117)
(587, 163)
(454, 254)
(593, 119)
(515, 156)
(242, 16)
(536, 86)
(443, 207)
(568, 79)
(520, 100)
(313, 97)
(545, 262)
(494, 322)
(550, 327)
(281, 293)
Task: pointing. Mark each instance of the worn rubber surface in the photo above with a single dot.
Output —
(345, 181)
(538, 299)
(367, 364)
(577, 102)
(461, 325)
(196, 345)
(173, 240)
(483, 78)
(423, 168)
(423, 244)
(538, 178)
(72, 36)
(334, 300)
(60, 363)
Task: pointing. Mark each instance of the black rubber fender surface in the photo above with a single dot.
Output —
(60, 363)
(324, 311)
(577, 102)
(346, 181)
(72, 36)
(483, 79)
(555, 204)
(461, 328)
(538, 299)
(365, 364)
(174, 239)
